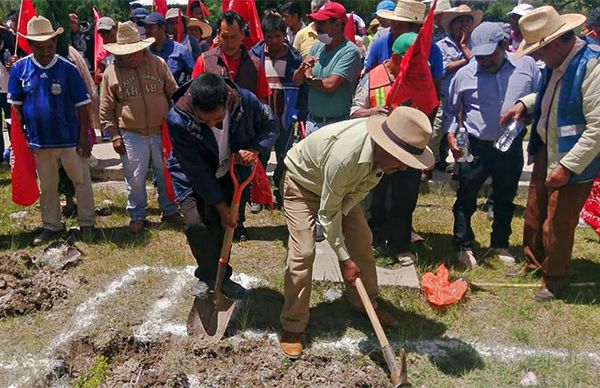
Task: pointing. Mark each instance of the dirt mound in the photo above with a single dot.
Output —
(27, 285)
(181, 362)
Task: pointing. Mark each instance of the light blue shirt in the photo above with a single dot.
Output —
(450, 53)
(486, 96)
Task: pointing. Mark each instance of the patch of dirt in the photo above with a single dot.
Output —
(26, 286)
(181, 362)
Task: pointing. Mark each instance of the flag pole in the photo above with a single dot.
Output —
(18, 26)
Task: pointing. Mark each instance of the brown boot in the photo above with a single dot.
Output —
(291, 344)
(386, 319)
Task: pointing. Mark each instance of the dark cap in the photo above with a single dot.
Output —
(155, 18)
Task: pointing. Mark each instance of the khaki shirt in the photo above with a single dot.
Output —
(588, 146)
(335, 163)
(305, 39)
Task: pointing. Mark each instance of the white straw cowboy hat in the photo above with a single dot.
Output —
(205, 27)
(543, 25)
(441, 6)
(406, 11)
(449, 15)
(40, 29)
(404, 134)
(128, 40)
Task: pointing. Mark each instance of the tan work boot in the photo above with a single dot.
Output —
(291, 344)
(386, 319)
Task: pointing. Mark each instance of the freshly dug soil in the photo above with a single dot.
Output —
(25, 286)
(181, 362)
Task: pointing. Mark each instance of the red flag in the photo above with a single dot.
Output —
(414, 83)
(25, 189)
(166, 152)
(350, 28)
(160, 6)
(179, 26)
(26, 12)
(203, 8)
(99, 50)
(248, 12)
(260, 191)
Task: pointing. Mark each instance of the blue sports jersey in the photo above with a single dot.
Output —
(48, 96)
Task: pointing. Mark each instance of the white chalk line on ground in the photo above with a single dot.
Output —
(155, 326)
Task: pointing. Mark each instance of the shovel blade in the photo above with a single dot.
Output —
(208, 318)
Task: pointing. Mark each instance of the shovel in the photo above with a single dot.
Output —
(209, 317)
(398, 373)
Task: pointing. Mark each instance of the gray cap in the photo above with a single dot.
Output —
(105, 23)
(485, 38)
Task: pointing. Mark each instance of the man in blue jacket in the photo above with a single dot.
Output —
(213, 120)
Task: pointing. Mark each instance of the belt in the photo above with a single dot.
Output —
(320, 119)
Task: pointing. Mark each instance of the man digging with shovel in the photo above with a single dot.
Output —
(328, 174)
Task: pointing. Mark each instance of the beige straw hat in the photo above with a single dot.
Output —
(404, 134)
(128, 40)
(40, 29)
(205, 27)
(441, 6)
(543, 25)
(406, 11)
(449, 15)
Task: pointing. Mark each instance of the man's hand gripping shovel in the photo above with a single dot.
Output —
(209, 317)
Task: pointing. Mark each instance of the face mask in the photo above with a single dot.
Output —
(324, 38)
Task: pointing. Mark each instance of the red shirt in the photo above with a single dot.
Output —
(262, 86)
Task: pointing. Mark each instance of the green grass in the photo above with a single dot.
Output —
(507, 317)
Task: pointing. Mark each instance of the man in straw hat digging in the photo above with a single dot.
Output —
(328, 174)
(50, 96)
(565, 140)
(135, 94)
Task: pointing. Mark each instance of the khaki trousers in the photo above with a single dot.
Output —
(48, 162)
(300, 209)
(550, 221)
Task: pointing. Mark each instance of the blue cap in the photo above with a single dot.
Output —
(155, 18)
(485, 38)
(385, 4)
(139, 13)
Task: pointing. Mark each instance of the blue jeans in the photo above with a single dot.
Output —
(141, 151)
(313, 124)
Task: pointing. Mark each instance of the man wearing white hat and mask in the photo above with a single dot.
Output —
(328, 174)
(51, 98)
(565, 140)
(135, 94)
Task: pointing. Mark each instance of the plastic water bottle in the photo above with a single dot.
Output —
(462, 141)
(509, 133)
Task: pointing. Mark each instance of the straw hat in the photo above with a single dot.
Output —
(408, 11)
(404, 134)
(128, 40)
(441, 6)
(543, 25)
(205, 27)
(449, 15)
(40, 29)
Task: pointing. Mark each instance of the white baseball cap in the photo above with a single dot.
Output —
(521, 9)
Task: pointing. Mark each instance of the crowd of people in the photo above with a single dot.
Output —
(226, 101)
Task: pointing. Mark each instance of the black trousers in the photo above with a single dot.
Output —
(505, 169)
(204, 232)
(391, 221)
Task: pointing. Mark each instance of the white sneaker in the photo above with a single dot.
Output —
(406, 259)
(505, 256)
(467, 258)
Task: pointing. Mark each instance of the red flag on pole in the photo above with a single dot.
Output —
(160, 6)
(166, 152)
(248, 12)
(179, 26)
(350, 28)
(26, 12)
(414, 85)
(99, 50)
(25, 189)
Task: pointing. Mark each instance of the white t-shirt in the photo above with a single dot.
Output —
(222, 138)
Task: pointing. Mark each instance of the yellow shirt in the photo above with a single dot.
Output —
(305, 39)
(335, 163)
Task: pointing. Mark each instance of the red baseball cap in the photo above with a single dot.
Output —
(330, 10)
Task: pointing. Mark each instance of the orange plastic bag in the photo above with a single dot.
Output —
(440, 293)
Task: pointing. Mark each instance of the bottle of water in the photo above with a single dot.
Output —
(462, 141)
(509, 133)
